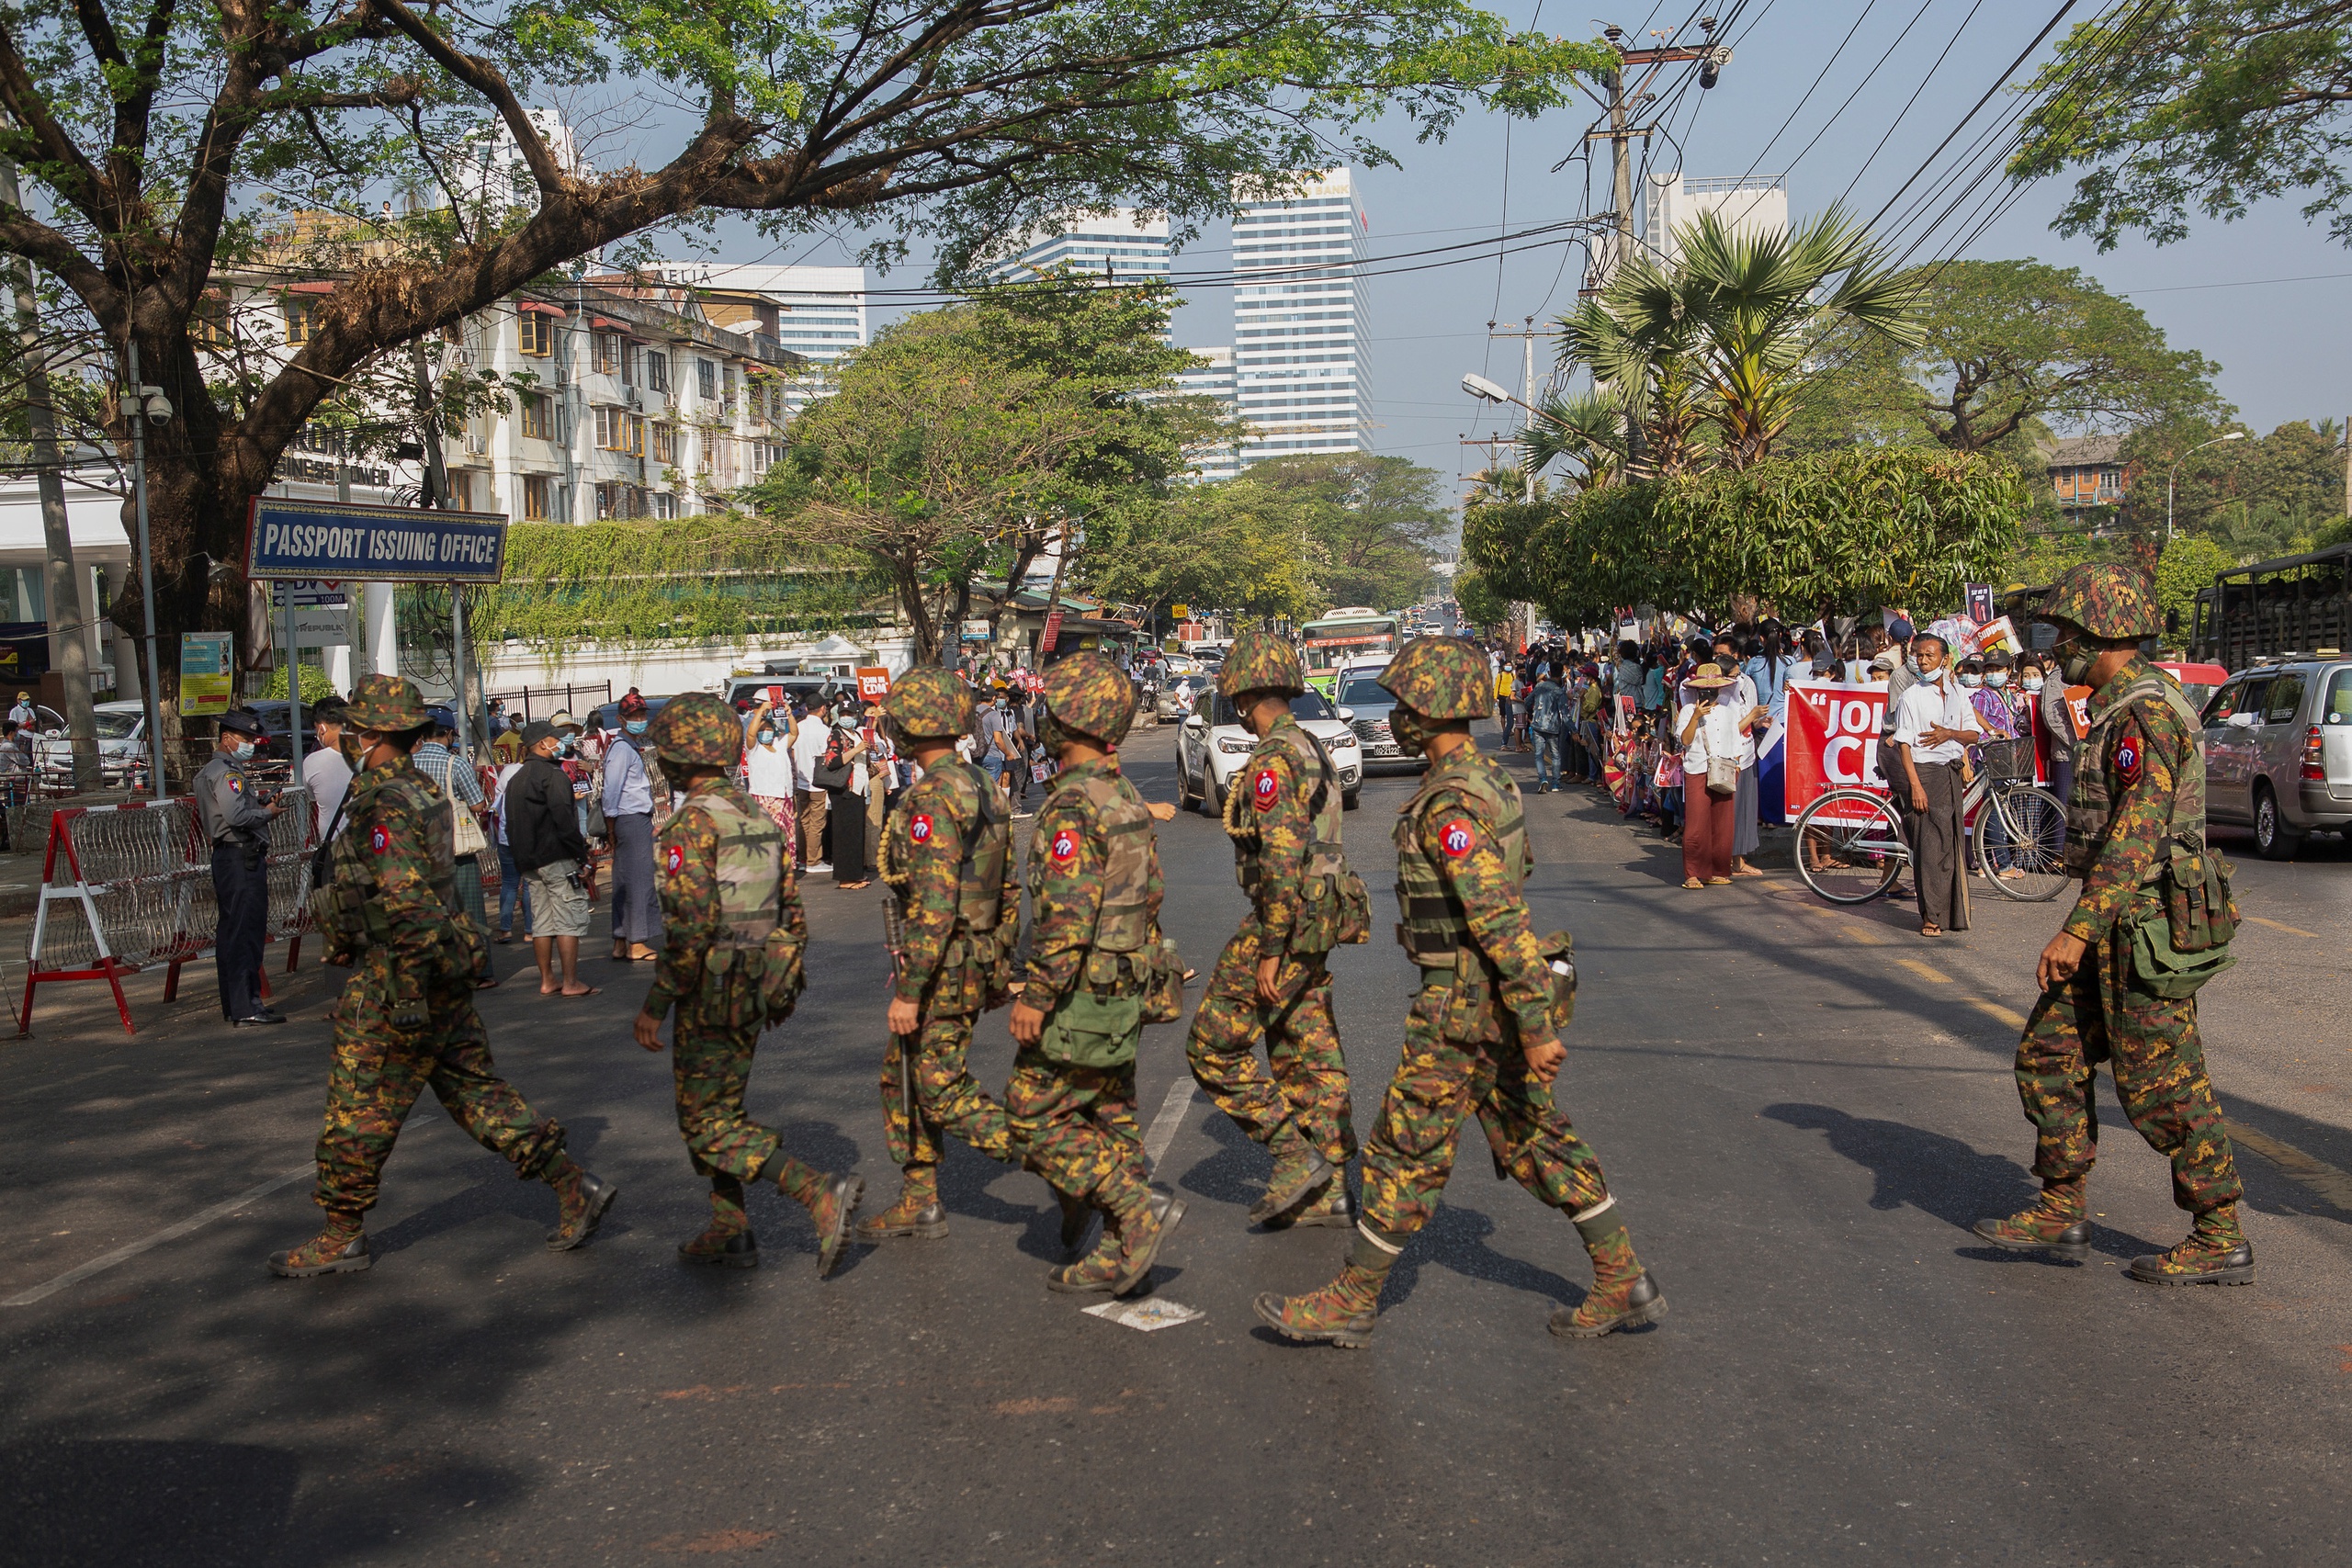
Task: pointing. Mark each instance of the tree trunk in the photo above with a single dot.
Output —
(912, 600)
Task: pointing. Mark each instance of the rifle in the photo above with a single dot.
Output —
(894, 941)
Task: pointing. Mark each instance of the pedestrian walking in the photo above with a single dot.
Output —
(1707, 724)
(1483, 1032)
(543, 832)
(406, 1020)
(1094, 890)
(236, 822)
(1548, 720)
(731, 964)
(2120, 979)
(326, 772)
(1935, 723)
(1272, 985)
(628, 819)
(946, 855)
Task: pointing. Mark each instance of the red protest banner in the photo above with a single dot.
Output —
(1053, 631)
(1832, 739)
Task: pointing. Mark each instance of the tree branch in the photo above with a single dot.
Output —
(488, 81)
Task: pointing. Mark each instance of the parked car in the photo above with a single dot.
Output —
(607, 716)
(1178, 696)
(122, 746)
(1368, 704)
(2279, 751)
(1214, 742)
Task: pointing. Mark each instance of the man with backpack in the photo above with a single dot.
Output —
(1548, 720)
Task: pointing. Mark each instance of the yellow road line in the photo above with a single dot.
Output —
(2321, 1178)
(2282, 925)
(1863, 935)
(1997, 1011)
(1924, 971)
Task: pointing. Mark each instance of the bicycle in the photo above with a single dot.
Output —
(1850, 845)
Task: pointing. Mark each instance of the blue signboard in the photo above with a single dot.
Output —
(341, 542)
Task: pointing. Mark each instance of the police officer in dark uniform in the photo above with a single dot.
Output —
(236, 824)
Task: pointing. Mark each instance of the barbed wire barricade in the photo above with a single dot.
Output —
(127, 886)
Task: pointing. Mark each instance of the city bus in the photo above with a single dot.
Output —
(1342, 637)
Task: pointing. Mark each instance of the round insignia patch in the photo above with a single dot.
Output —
(1457, 837)
(920, 829)
(1064, 848)
(677, 859)
(380, 840)
(1264, 787)
(2127, 759)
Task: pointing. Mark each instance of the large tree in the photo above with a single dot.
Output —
(157, 133)
(1239, 545)
(1375, 522)
(2208, 105)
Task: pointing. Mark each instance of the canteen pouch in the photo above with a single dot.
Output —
(1471, 1017)
(1559, 957)
(2161, 969)
(1092, 1030)
(2200, 913)
(784, 973)
(1355, 912)
(1163, 1000)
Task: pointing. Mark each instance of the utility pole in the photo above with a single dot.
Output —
(1621, 105)
(62, 585)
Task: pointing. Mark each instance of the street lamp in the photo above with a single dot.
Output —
(2233, 435)
(1492, 392)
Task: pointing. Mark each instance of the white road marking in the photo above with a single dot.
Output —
(1162, 1131)
(195, 1222)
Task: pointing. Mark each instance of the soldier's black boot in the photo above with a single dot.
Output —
(2055, 1224)
(2216, 1252)
(1624, 1295)
(918, 1213)
(1334, 1208)
(583, 1197)
(1299, 1172)
(1343, 1312)
(341, 1248)
(727, 1241)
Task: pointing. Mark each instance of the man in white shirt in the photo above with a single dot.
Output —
(1934, 721)
(325, 773)
(808, 749)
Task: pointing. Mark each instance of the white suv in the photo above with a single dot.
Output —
(1212, 745)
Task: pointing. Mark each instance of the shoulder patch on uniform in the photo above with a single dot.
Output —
(676, 860)
(379, 839)
(920, 829)
(1458, 837)
(1265, 788)
(236, 784)
(1064, 846)
(2129, 758)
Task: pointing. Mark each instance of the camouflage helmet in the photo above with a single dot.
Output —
(929, 701)
(2111, 602)
(1260, 661)
(1090, 696)
(697, 729)
(1441, 677)
(386, 704)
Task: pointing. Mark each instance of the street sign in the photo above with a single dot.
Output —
(206, 670)
(310, 540)
(1180, 612)
(303, 593)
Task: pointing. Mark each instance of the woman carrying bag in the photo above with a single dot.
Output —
(1709, 728)
(840, 774)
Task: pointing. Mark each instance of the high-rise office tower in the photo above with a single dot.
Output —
(1213, 380)
(816, 311)
(1302, 364)
(1119, 246)
(1753, 205)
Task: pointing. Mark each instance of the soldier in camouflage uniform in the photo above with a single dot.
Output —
(2139, 791)
(946, 856)
(1482, 1032)
(1270, 984)
(406, 1021)
(731, 963)
(1095, 944)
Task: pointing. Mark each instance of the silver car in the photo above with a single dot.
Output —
(1178, 694)
(2279, 751)
(122, 746)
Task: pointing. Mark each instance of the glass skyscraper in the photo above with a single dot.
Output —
(1302, 364)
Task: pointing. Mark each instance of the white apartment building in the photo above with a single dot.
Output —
(1751, 206)
(1301, 346)
(1214, 380)
(817, 312)
(1122, 246)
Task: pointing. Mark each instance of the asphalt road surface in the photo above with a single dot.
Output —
(1801, 1110)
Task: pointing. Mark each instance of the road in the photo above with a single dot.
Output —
(1802, 1111)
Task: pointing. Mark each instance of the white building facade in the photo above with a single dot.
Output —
(1119, 246)
(1754, 205)
(1302, 363)
(1214, 380)
(817, 312)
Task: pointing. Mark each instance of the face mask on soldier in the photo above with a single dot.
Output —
(1409, 731)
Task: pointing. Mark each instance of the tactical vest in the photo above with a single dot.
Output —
(1123, 921)
(346, 908)
(1325, 861)
(988, 841)
(2089, 810)
(750, 871)
(1435, 926)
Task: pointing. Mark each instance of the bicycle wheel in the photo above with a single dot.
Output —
(1849, 846)
(2030, 866)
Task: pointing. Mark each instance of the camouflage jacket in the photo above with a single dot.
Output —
(1273, 832)
(1452, 828)
(926, 839)
(2123, 799)
(392, 860)
(686, 857)
(1068, 857)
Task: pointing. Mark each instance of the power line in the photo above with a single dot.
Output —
(1908, 102)
(2024, 55)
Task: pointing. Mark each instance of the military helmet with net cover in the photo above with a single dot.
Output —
(698, 729)
(1260, 661)
(1090, 696)
(1441, 678)
(2112, 602)
(929, 702)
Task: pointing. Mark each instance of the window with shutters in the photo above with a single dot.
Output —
(533, 335)
(297, 322)
(535, 498)
(537, 426)
(665, 443)
(706, 378)
(657, 371)
(605, 349)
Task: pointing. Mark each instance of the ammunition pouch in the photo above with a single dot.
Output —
(1092, 1029)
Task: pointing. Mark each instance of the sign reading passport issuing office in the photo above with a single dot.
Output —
(337, 541)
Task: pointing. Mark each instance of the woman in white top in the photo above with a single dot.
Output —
(1709, 725)
(768, 770)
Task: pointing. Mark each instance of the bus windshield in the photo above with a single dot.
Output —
(1326, 645)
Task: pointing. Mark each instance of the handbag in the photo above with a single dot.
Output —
(832, 772)
(1722, 776)
(465, 829)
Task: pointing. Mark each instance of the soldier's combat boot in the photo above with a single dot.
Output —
(918, 1213)
(2216, 1252)
(1299, 1171)
(2055, 1224)
(831, 1201)
(1098, 1271)
(1343, 1312)
(583, 1197)
(1334, 1209)
(727, 1241)
(341, 1248)
(1077, 1214)
(1622, 1295)
(1142, 1232)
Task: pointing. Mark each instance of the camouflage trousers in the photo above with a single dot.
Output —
(1308, 1077)
(378, 1072)
(947, 1097)
(1079, 1126)
(1438, 1082)
(2098, 1015)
